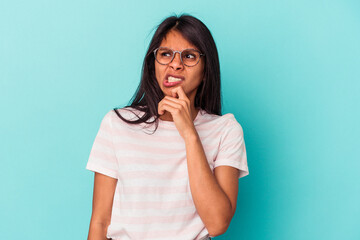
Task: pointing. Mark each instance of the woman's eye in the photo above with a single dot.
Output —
(189, 56)
(166, 54)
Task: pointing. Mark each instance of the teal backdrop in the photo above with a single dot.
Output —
(290, 75)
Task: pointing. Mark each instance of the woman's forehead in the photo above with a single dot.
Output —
(176, 41)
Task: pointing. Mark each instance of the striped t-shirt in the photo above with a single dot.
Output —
(152, 199)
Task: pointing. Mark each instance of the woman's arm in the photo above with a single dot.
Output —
(104, 189)
(214, 196)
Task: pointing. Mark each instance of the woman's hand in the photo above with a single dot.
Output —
(180, 111)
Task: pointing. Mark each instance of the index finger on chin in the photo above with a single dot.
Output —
(180, 91)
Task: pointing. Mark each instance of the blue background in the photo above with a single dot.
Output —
(290, 75)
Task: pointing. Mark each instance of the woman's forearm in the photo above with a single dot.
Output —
(97, 231)
(212, 204)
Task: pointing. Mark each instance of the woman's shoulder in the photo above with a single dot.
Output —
(221, 119)
(112, 114)
(225, 122)
(128, 113)
(116, 116)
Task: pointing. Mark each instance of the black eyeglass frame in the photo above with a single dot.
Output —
(180, 52)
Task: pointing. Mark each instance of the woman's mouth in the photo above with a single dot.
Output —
(172, 81)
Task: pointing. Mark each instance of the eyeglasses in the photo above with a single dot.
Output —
(189, 57)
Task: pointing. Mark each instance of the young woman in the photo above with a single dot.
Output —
(180, 180)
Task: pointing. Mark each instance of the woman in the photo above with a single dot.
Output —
(181, 180)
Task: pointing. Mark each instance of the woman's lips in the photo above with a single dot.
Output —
(166, 83)
(171, 80)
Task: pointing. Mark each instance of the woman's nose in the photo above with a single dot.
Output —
(176, 63)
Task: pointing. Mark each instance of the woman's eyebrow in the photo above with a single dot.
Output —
(180, 50)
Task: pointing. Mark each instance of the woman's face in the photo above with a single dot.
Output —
(192, 76)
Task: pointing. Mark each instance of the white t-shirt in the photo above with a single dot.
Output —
(152, 198)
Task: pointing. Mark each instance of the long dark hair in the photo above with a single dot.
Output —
(148, 94)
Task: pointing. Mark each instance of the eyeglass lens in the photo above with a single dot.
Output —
(189, 57)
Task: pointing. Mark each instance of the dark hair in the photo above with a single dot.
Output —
(149, 94)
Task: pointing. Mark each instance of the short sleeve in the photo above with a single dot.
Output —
(102, 157)
(232, 151)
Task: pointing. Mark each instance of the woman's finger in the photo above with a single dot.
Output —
(180, 92)
(178, 101)
(171, 109)
(172, 103)
(167, 102)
